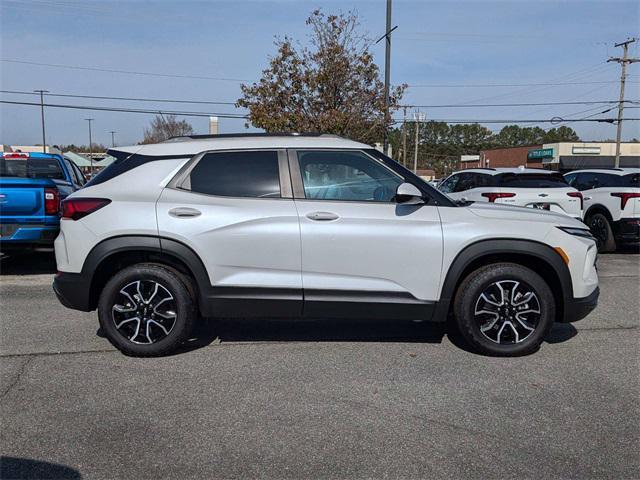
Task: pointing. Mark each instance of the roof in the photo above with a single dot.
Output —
(496, 171)
(610, 171)
(187, 146)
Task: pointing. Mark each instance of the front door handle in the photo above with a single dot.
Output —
(184, 212)
(322, 216)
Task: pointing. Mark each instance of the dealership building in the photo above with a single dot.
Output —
(561, 156)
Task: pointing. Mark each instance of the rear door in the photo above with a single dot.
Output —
(359, 247)
(545, 191)
(235, 210)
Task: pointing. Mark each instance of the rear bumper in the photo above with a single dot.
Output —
(23, 234)
(578, 308)
(73, 291)
(628, 230)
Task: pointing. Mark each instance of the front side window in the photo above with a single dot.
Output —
(237, 174)
(465, 182)
(449, 185)
(346, 175)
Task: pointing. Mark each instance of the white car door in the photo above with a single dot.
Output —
(231, 210)
(358, 245)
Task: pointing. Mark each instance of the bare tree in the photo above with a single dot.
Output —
(164, 127)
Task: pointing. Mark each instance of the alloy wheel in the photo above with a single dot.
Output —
(507, 312)
(144, 312)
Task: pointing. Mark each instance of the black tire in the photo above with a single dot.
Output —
(601, 229)
(513, 339)
(146, 331)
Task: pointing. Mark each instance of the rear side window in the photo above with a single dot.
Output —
(31, 168)
(237, 174)
(532, 180)
(631, 180)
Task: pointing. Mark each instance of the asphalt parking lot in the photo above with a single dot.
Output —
(274, 399)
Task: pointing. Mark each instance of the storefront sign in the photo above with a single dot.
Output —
(585, 150)
(540, 153)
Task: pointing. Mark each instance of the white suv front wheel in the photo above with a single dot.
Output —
(146, 310)
(504, 309)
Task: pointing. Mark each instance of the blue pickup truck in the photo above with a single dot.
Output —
(32, 187)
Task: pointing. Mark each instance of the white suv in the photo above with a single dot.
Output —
(524, 187)
(308, 227)
(611, 204)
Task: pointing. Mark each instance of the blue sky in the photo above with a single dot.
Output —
(436, 43)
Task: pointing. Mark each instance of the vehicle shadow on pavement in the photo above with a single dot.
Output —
(32, 263)
(210, 331)
(25, 468)
(325, 330)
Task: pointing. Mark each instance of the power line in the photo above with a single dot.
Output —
(554, 120)
(210, 102)
(491, 85)
(129, 110)
(128, 72)
(458, 105)
(131, 99)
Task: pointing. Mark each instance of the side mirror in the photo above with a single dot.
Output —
(408, 194)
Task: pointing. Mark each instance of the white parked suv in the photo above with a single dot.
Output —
(611, 204)
(308, 226)
(524, 187)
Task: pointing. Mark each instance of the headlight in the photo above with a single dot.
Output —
(578, 232)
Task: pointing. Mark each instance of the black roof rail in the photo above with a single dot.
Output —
(478, 168)
(243, 135)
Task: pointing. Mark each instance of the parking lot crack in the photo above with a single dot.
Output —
(16, 379)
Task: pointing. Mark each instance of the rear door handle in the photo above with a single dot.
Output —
(322, 216)
(184, 212)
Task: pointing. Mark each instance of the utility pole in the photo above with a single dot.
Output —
(623, 62)
(90, 146)
(44, 139)
(113, 142)
(387, 74)
(404, 136)
(417, 117)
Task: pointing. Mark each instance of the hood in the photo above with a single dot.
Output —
(510, 212)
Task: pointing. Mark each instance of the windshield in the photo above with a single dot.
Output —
(532, 180)
(31, 168)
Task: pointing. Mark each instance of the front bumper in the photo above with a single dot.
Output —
(578, 308)
(73, 291)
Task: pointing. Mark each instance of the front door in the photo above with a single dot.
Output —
(360, 247)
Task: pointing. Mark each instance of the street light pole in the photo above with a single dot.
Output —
(90, 146)
(44, 138)
(113, 142)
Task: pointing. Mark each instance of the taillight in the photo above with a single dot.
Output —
(493, 196)
(577, 195)
(51, 201)
(624, 197)
(77, 208)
